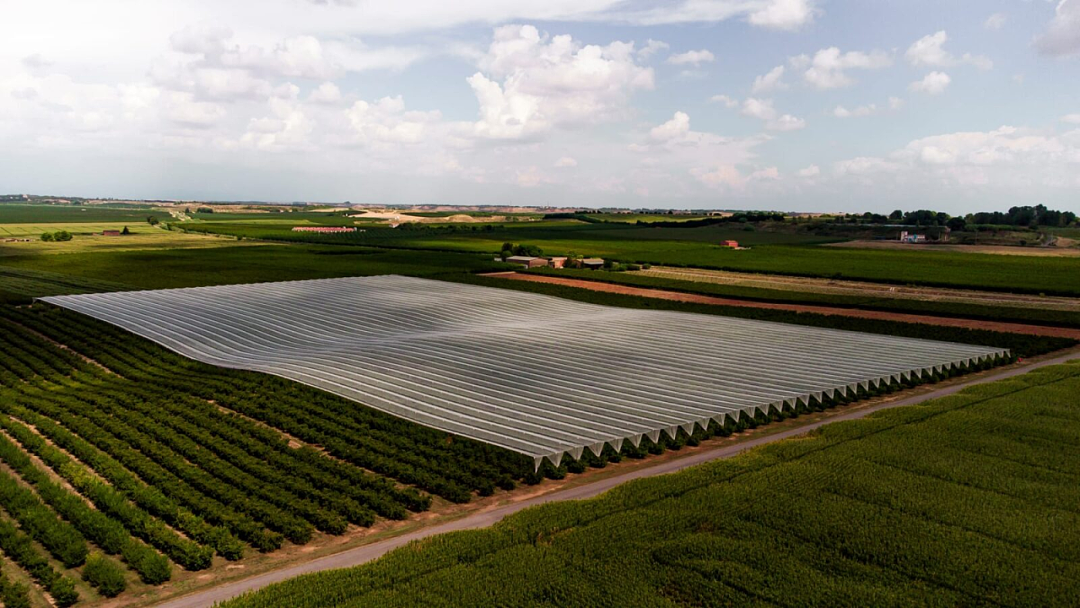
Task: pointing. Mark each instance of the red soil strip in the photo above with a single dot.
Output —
(1016, 328)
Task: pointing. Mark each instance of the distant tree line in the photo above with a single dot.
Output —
(737, 218)
(1021, 217)
(59, 235)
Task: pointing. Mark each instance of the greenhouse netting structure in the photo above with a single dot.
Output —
(535, 374)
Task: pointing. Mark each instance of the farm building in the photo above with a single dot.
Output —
(731, 244)
(527, 261)
(324, 229)
(557, 262)
(443, 362)
(110, 233)
(592, 263)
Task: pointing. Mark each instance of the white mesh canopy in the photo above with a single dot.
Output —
(536, 374)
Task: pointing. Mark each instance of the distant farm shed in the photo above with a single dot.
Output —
(527, 261)
(732, 244)
(592, 263)
(110, 233)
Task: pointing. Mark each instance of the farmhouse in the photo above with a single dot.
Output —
(557, 262)
(110, 233)
(731, 244)
(592, 263)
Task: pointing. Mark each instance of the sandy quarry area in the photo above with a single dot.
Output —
(399, 217)
(859, 288)
(1063, 248)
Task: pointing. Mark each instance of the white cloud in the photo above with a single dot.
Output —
(182, 109)
(858, 112)
(1062, 35)
(763, 109)
(930, 51)
(864, 165)
(387, 122)
(565, 161)
(551, 81)
(531, 177)
(201, 39)
(1006, 159)
(808, 172)
(759, 108)
(787, 122)
(288, 129)
(771, 81)
(828, 67)
(676, 128)
(651, 48)
(895, 103)
(727, 176)
(728, 102)
(995, 21)
(784, 14)
(327, 93)
(934, 83)
(691, 58)
(1072, 119)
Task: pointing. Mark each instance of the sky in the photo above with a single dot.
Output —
(800, 105)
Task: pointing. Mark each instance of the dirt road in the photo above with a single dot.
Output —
(367, 553)
(1018, 328)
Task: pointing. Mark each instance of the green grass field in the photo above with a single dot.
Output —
(774, 252)
(34, 229)
(142, 237)
(17, 213)
(166, 268)
(963, 501)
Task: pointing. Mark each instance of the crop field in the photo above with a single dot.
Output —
(16, 213)
(32, 283)
(969, 500)
(136, 466)
(239, 263)
(783, 253)
(34, 229)
(540, 376)
(997, 306)
(142, 237)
